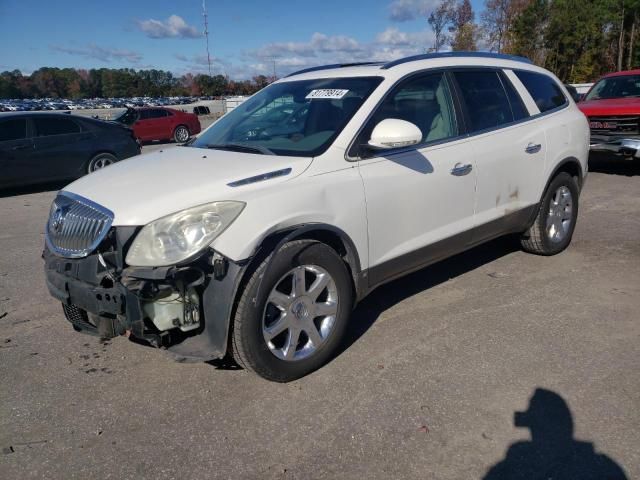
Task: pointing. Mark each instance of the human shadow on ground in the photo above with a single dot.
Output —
(552, 453)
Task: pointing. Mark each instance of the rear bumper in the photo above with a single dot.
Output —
(626, 147)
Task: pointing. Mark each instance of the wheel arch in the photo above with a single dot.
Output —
(94, 154)
(330, 235)
(570, 165)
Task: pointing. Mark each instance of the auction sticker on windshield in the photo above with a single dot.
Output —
(324, 93)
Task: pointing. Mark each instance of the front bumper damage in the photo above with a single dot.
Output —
(625, 147)
(103, 297)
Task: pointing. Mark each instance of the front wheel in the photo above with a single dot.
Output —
(101, 160)
(292, 313)
(181, 134)
(553, 227)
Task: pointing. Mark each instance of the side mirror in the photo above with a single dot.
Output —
(394, 133)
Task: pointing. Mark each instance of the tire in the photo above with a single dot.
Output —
(181, 134)
(258, 317)
(100, 161)
(555, 223)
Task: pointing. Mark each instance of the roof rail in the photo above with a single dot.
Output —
(429, 56)
(335, 65)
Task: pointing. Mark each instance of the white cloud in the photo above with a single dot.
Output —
(173, 27)
(406, 10)
(104, 54)
(322, 49)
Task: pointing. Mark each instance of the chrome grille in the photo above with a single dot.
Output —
(76, 225)
(621, 124)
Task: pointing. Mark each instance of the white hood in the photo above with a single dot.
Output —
(145, 188)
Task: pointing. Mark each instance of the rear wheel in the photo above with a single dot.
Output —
(553, 227)
(100, 161)
(181, 134)
(292, 313)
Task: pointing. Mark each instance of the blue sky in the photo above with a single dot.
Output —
(246, 36)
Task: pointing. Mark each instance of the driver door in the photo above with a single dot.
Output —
(420, 200)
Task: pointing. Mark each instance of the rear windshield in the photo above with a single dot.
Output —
(296, 118)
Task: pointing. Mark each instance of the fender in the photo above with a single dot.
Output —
(560, 166)
(302, 231)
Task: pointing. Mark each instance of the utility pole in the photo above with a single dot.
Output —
(206, 32)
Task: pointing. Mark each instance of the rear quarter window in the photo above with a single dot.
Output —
(543, 89)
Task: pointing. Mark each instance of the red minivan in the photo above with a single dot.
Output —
(160, 123)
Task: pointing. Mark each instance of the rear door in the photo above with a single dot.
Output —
(62, 147)
(16, 149)
(509, 150)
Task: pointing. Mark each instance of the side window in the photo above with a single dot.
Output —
(47, 126)
(517, 105)
(15, 129)
(157, 113)
(543, 89)
(144, 114)
(485, 98)
(426, 102)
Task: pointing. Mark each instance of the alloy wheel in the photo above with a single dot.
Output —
(560, 215)
(100, 162)
(300, 312)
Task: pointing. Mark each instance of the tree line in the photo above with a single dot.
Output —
(123, 82)
(578, 40)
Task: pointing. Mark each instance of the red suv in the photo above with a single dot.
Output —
(613, 109)
(160, 123)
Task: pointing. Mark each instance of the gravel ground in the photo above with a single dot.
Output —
(426, 386)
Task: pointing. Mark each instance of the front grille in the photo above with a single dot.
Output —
(76, 225)
(79, 318)
(615, 125)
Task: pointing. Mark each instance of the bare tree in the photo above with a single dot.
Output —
(497, 21)
(439, 20)
(464, 30)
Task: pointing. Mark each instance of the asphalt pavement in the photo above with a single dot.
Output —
(426, 385)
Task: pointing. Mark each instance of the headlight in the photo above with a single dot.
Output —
(178, 236)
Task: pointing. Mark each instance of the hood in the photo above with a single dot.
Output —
(144, 188)
(611, 107)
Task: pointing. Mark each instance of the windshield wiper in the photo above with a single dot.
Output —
(241, 147)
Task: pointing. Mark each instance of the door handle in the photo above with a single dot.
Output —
(461, 169)
(533, 148)
(21, 147)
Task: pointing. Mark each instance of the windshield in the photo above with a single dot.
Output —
(615, 87)
(297, 118)
(128, 117)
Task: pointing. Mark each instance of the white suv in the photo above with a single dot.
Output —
(258, 238)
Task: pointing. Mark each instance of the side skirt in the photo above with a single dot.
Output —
(513, 222)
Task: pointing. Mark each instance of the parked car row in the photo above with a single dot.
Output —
(38, 147)
(26, 105)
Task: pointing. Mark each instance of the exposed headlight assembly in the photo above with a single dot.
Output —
(176, 237)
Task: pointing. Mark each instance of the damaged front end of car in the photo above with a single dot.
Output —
(184, 308)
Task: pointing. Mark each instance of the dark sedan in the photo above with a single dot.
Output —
(47, 147)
